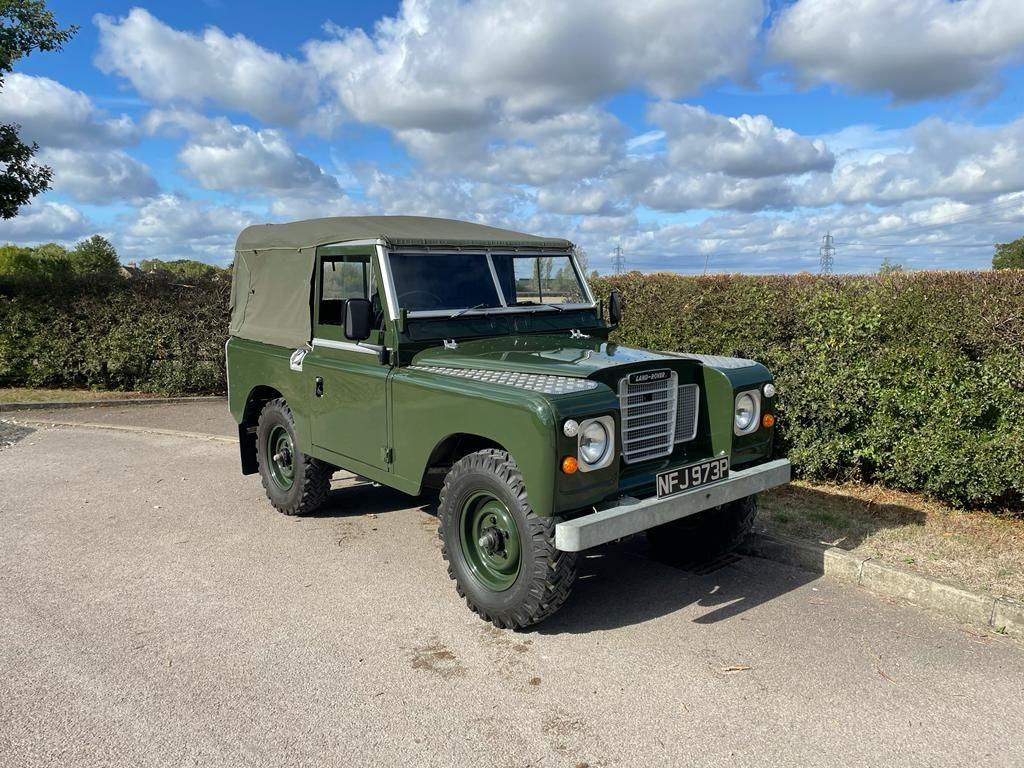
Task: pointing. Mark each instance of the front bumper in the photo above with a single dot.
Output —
(630, 515)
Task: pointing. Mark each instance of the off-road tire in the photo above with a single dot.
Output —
(706, 535)
(312, 477)
(546, 575)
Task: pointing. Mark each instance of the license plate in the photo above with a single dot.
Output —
(684, 478)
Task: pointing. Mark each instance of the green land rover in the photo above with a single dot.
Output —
(427, 354)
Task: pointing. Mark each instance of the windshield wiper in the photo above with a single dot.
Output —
(537, 306)
(459, 312)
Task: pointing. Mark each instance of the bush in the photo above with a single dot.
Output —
(915, 381)
(145, 334)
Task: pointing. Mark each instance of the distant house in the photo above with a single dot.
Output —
(131, 270)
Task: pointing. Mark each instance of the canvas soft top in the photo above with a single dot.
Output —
(395, 230)
(273, 270)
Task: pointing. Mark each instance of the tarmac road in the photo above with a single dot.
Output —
(157, 611)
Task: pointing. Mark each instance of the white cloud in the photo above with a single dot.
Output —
(223, 156)
(444, 65)
(748, 146)
(918, 235)
(911, 49)
(177, 218)
(176, 227)
(588, 198)
(45, 221)
(99, 177)
(685, 191)
(427, 195)
(564, 147)
(958, 161)
(297, 207)
(170, 66)
(56, 116)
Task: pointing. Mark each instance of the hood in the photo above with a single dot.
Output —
(559, 355)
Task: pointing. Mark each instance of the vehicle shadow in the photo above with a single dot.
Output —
(844, 521)
(618, 584)
(624, 583)
(354, 496)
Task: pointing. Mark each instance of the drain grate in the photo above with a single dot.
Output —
(700, 567)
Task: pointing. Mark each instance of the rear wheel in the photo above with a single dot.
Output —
(706, 535)
(296, 484)
(500, 553)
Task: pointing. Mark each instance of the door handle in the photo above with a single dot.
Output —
(318, 389)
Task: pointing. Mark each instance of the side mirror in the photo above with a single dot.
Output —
(358, 319)
(614, 307)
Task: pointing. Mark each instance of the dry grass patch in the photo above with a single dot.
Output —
(979, 550)
(29, 395)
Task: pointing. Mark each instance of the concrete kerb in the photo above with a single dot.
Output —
(125, 428)
(1000, 614)
(12, 407)
(1008, 617)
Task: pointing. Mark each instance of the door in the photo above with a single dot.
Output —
(350, 407)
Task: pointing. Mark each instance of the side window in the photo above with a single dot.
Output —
(342, 278)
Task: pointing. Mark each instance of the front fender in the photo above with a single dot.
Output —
(428, 407)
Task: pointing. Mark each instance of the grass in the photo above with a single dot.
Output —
(978, 550)
(26, 395)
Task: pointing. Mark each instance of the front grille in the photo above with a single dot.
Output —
(648, 412)
(686, 412)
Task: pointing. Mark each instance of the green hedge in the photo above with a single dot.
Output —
(914, 381)
(149, 334)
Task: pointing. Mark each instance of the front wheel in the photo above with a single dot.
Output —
(705, 535)
(500, 553)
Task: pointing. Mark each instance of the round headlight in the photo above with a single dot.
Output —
(745, 412)
(593, 442)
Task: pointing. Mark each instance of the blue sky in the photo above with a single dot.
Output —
(731, 135)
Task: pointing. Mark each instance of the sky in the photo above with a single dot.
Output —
(699, 136)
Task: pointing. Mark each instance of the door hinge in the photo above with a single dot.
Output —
(387, 454)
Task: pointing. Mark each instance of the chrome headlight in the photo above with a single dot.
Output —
(747, 412)
(596, 445)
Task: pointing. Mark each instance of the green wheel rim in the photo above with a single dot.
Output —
(281, 457)
(490, 541)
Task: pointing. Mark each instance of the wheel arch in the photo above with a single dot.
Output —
(449, 450)
(258, 397)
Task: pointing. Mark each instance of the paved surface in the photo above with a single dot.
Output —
(157, 611)
(210, 417)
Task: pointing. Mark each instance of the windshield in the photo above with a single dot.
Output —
(440, 282)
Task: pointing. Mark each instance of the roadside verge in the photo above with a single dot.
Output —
(1000, 614)
(104, 403)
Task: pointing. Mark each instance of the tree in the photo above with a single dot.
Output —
(17, 261)
(52, 260)
(889, 267)
(48, 261)
(581, 258)
(1009, 255)
(95, 256)
(25, 26)
(182, 269)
